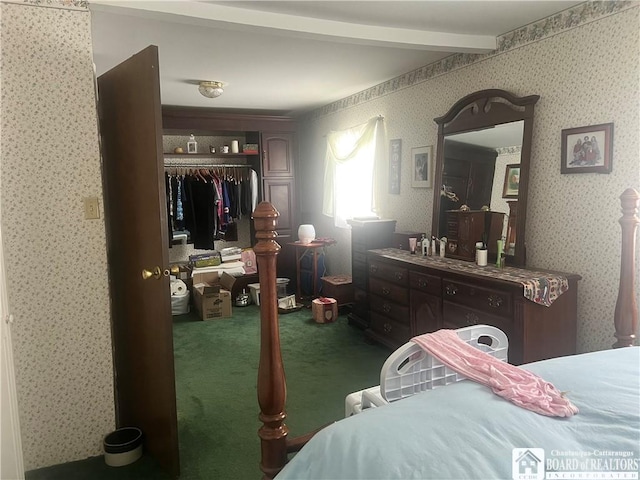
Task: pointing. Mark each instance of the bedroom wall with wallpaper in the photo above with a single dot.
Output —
(584, 65)
(56, 260)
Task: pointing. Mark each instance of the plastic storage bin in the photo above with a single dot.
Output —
(410, 370)
(281, 288)
(179, 297)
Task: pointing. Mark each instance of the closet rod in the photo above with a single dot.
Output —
(200, 165)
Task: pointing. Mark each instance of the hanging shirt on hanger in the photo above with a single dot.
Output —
(254, 190)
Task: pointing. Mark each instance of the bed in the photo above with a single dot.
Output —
(463, 430)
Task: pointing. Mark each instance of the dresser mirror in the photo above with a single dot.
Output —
(482, 174)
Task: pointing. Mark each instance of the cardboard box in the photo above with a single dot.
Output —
(211, 300)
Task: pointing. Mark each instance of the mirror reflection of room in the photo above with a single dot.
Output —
(475, 169)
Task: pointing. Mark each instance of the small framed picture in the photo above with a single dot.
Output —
(192, 145)
(587, 149)
(395, 160)
(511, 181)
(422, 167)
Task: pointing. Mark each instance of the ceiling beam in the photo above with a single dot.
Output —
(212, 15)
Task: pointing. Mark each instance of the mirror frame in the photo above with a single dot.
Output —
(484, 109)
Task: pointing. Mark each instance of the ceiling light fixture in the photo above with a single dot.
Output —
(211, 89)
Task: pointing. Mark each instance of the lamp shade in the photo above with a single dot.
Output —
(306, 234)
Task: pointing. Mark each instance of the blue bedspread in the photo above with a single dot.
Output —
(465, 431)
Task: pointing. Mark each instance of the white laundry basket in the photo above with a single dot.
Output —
(410, 370)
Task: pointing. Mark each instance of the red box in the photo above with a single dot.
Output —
(325, 310)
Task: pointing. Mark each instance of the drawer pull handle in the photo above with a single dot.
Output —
(385, 291)
(495, 301)
(422, 283)
(399, 275)
(472, 319)
(386, 308)
(451, 290)
(387, 327)
(373, 268)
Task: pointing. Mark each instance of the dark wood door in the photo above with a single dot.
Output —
(137, 240)
(277, 154)
(280, 193)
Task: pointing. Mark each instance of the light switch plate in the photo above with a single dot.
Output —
(91, 208)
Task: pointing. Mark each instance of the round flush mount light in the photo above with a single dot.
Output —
(210, 89)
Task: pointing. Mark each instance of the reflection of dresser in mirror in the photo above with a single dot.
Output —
(464, 229)
(468, 173)
(510, 243)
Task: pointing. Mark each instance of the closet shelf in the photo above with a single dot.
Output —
(207, 155)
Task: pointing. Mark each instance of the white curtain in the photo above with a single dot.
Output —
(354, 171)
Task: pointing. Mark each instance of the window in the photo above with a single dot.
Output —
(350, 171)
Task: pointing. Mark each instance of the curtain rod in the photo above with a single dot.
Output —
(200, 165)
(378, 117)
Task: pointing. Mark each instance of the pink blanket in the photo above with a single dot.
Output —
(519, 386)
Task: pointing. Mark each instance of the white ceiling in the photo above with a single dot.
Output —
(499, 136)
(289, 57)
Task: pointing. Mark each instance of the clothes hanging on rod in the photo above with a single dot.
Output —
(205, 200)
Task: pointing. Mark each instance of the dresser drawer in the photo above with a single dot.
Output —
(396, 332)
(492, 301)
(425, 283)
(359, 247)
(384, 306)
(456, 316)
(359, 256)
(389, 273)
(359, 275)
(389, 291)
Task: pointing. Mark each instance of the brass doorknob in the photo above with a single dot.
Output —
(155, 273)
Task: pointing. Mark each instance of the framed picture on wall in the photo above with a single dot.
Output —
(395, 160)
(587, 149)
(422, 167)
(511, 181)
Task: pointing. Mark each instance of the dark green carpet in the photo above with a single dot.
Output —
(216, 370)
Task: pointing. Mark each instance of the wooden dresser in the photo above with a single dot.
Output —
(365, 235)
(410, 295)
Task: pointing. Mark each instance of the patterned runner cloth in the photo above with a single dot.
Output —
(542, 288)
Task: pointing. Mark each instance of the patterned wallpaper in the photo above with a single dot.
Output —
(55, 259)
(585, 75)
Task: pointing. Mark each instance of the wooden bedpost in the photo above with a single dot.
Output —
(626, 315)
(272, 389)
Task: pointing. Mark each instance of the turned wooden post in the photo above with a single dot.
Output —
(626, 315)
(272, 389)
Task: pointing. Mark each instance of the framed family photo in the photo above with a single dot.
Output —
(511, 181)
(587, 149)
(422, 167)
